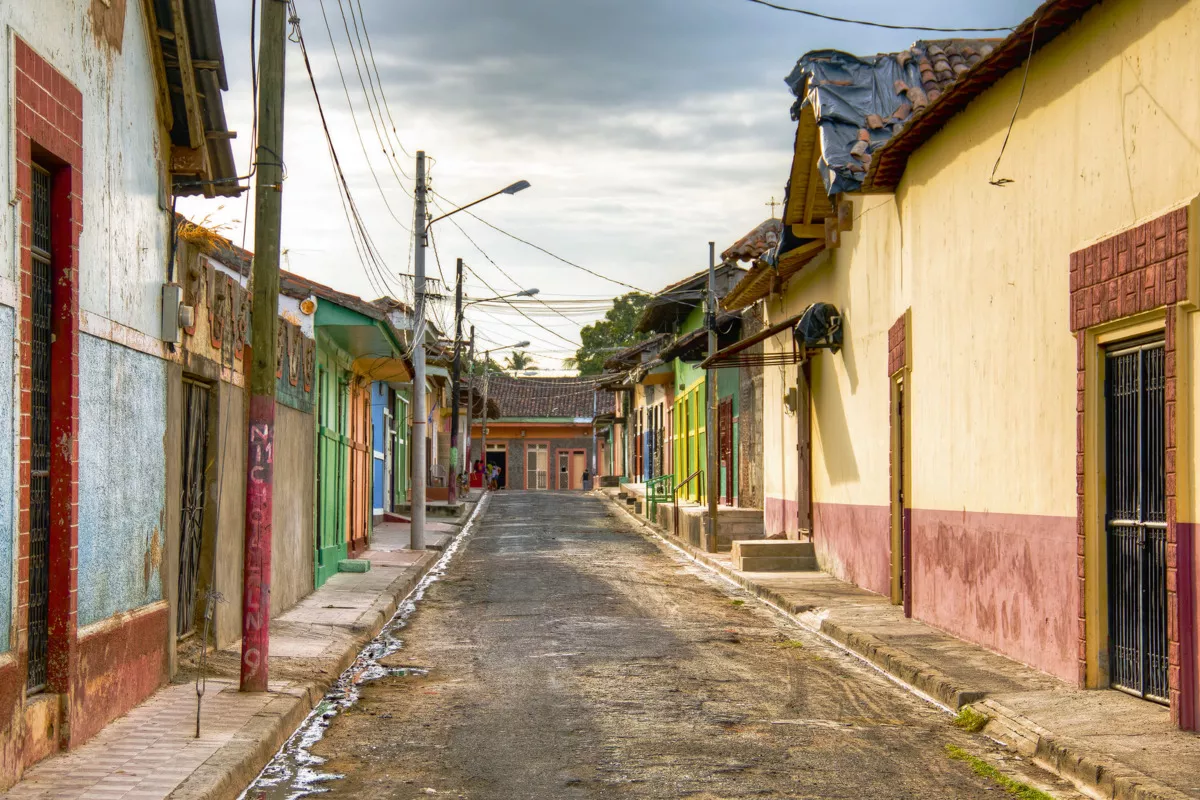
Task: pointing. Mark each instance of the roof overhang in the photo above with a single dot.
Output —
(189, 64)
(764, 279)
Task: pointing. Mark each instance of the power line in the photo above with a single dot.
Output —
(375, 269)
(386, 147)
(884, 25)
(500, 269)
(547, 252)
(379, 80)
(354, 118)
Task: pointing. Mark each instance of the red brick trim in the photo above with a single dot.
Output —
(1135, 271)
(1130, 273)
(898, 345)
(48, 122)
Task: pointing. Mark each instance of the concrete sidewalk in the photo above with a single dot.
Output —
(1111, 745)
(153, 752)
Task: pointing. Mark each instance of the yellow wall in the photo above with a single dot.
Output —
(850, 388)
(1107, 137)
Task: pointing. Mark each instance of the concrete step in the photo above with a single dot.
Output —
(775, 564)
(433, 510)
(774, 547)
(774, 555)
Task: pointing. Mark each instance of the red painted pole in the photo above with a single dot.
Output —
(256, 579)
(268, 211)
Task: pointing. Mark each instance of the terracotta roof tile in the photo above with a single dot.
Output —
(549, 397)
(757, 242)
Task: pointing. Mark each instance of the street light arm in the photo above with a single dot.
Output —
(522, 293)
(513, 189)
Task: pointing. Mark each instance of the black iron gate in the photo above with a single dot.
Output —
(192, 501)
(1136, 519)
(39, 483)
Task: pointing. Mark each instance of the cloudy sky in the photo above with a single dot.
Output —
(646, 127)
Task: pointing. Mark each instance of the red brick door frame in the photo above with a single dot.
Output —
(48, 130)
(1141, 270)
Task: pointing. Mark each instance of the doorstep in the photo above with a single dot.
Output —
(1110, 744)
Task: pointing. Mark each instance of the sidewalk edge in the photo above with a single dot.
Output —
(227, 772)
(1092, 773)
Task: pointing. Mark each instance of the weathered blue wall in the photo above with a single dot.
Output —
(7, 523)
(122, 478)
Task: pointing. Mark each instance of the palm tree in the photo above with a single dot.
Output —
(519, 360)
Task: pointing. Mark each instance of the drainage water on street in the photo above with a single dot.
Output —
(295, 772)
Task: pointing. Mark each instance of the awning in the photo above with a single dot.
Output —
(736, 355)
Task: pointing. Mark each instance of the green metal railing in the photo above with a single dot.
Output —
(659, 490)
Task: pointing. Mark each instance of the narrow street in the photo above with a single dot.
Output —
(568, 656)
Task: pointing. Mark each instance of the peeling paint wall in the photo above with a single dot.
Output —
(124, 242)
(122, 479)
(7, 517)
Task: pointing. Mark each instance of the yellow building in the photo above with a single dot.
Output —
(1003, 443)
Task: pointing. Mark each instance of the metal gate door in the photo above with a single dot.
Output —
(39, 479)
(1136, 520)
(191, 504)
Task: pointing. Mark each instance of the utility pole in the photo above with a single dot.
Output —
(420, 414)
(268, 211)
(454, 381)
(710, 423)
(468, 464)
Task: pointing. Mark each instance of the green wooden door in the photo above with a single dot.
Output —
(332, 461)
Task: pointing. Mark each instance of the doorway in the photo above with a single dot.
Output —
(1136, 518)
(191, 504)
(901, 529)
(497, 456)
(537, 466)
(804, 517)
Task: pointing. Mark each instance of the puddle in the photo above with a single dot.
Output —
(295, 772)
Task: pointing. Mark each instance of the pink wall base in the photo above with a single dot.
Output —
(1005, 581)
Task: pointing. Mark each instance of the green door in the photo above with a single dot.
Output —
(332, 461)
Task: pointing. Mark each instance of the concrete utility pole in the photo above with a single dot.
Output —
(420, 414)
(454, 380)
(268, 211)
(484, 418)
(710, 424)
(468, 463)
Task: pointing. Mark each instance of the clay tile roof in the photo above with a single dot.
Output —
(754, 244)
(547, 398)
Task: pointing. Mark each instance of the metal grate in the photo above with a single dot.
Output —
(1135, 386)
(39, 484)
(194, 484)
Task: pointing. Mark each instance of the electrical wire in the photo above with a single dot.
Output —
(500, 269)
(994, 181)
(357, 130)
(544, 250)
(388, 153)
(379, 80)
(374, 267)
(884, 25)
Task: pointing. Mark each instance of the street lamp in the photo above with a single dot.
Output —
(456, 375)
(486, 355)
(420, 412)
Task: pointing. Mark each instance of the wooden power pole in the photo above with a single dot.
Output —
(268, 208)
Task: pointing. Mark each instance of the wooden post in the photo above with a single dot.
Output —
(711, 439)
(268, 208)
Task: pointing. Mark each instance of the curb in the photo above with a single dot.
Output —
(1092, 773)
(227, 772)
